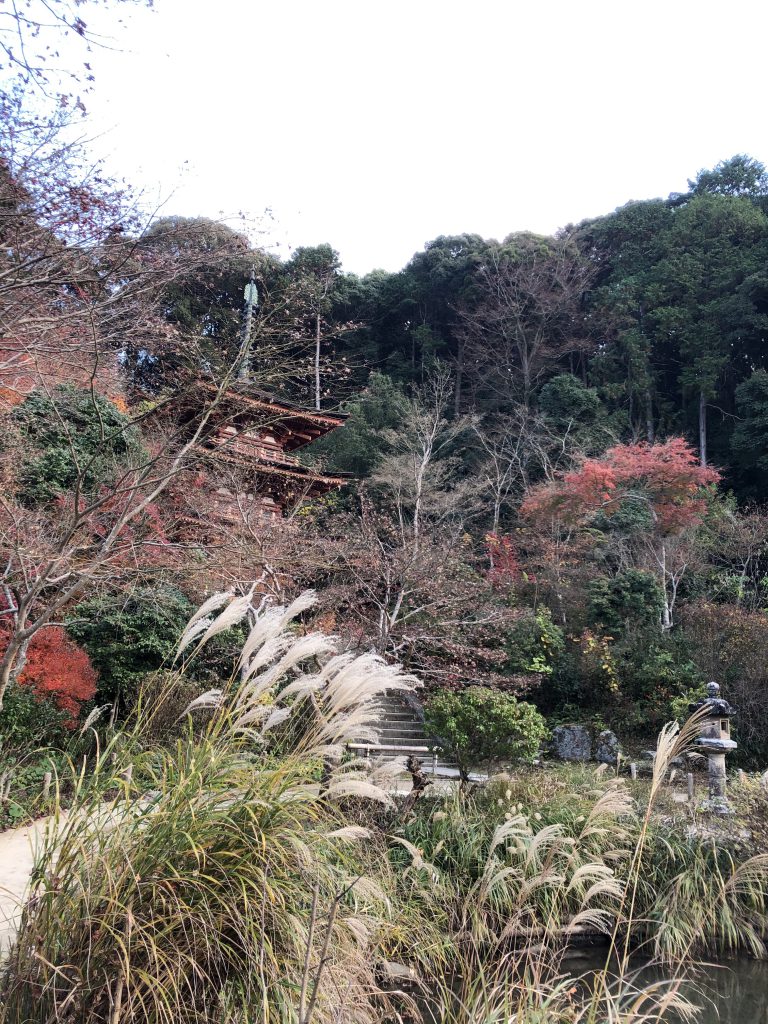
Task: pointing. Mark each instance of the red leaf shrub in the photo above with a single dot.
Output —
(59, 670)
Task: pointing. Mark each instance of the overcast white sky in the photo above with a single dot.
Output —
(377, 125)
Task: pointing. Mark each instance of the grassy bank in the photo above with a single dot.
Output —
(244, 870)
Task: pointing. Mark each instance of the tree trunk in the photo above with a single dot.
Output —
(631, 414)
(702, 429)
(12, 664)
(420, 783)
(650, 432)
(317, 362)
(666, 611)
(527, 384)
(459, 376)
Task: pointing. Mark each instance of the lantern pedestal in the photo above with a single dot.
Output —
(715, 741)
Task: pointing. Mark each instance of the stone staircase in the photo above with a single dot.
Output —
(401, 733)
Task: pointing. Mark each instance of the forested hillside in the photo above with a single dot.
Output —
(556, 446)
(658, 311)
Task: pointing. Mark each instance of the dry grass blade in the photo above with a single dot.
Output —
(752, 872)
(300, 604)
(190, 634)
(234, 613)
(93, 717)
(213, 604)
(418, 863)
(345, 788)
(515, 826)
(278, 716)
(265, 628)
(209, 699)
(350, 833)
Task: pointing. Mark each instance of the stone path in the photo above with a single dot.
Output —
(16, 859)
(17, 846)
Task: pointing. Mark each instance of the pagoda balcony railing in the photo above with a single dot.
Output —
(253, 448)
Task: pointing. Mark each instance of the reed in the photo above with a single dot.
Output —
(246, 870)
(213, 878)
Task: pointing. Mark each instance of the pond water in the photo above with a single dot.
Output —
(729, 992)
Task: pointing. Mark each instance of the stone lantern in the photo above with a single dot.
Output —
(715, 741)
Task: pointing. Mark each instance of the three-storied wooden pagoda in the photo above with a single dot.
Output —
(255, 435)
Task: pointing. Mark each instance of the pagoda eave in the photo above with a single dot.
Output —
(295, 425)
(300, 473)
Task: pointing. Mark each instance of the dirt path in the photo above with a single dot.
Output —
(17, 846)
(16, 860)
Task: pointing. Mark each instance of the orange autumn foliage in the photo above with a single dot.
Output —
(58, 669)
(667, 477)
(26, 368)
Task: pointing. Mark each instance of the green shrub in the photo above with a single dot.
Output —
(71, 435)
(29, 720)
(128, 636)
(630, 601)
(534, 643)
(480, 726)
(654, 675)
(632, 683)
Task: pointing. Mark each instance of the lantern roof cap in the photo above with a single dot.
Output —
(713, 704)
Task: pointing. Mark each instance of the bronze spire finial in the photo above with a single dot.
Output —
(251, 296)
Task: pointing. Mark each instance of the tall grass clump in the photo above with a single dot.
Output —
(216, 878)
(517, 874)
(699, 897)
(230, 864)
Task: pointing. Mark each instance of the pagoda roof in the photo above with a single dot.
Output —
(283, 472)
(295, 424)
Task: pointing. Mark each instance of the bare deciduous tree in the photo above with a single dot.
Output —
(419, 475)
(526, 317)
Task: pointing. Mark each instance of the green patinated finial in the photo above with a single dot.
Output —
(251, 296)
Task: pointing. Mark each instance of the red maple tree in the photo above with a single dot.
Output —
(58, 670)
(666, 477)
(504, 565)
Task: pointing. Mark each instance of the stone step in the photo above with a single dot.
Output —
(386, 752)
(401, 733)
(406, 727)
(391, 710)
(388, 740)
(391, 720)
(394, 730)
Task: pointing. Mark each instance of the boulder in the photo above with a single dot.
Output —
(394, 972)
(607, 750)
(571, 743)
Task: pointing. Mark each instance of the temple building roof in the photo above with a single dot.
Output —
(262, 453)
(293, 425)
(255, 433)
